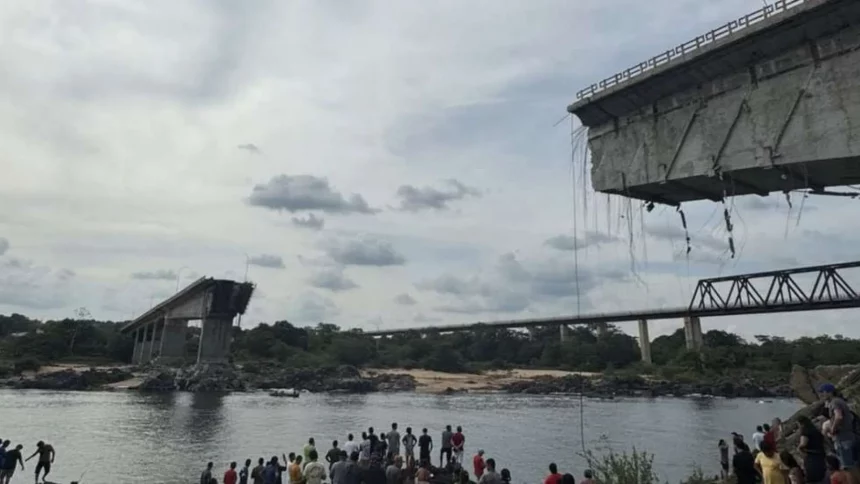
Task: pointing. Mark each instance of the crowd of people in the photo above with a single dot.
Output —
(766, 463)
(377, 459)
(12, 457)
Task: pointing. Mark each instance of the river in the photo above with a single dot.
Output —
(130, 437)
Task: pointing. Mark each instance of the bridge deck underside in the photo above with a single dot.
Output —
(790, 120)
(817, 175)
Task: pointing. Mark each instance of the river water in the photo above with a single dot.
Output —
(129, 437)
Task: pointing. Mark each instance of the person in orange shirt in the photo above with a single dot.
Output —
(295, 471)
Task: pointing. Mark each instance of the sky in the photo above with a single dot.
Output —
(368, 164)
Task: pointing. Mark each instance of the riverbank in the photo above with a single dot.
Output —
(347, 379)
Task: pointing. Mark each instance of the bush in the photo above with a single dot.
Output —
(27, 364)
(613, 468)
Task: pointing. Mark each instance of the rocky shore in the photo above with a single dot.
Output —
(640, 386)
(348, 379)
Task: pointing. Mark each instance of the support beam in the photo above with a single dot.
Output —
(563, 332)
(693, 333)
(154, 343)
(146, 344)
(215, 336)
(135, 354)
(644, 341)
(601, 328)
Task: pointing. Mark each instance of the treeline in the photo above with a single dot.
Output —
(24, 339)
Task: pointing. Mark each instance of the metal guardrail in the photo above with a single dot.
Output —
(691, 46)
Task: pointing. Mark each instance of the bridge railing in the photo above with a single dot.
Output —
(691, 46)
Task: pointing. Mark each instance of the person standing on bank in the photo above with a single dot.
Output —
(46, 458)
(445, 449)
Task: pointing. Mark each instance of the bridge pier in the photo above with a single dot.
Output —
(563, 332)
(601, 328)
(172, 348)
(693, 333)
(644, 342)
(215, 337)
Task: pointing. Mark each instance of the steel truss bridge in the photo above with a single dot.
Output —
(755, 293)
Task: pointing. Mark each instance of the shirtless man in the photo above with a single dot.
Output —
(46, 458)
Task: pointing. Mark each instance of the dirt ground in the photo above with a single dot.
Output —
(438, 382)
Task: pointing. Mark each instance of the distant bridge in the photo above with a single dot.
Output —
(744, 294)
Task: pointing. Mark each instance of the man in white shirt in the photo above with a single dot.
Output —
(350, 446)
(758, 437)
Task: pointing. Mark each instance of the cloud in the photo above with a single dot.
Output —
(365, 251)
(4, 245)
(569, 243)
(267, 260)
(158, 275)
(24, 284)
(315, 309)
(404, 299)
(305, 192)
(513, 287)
(311, 221)
(674, 233)
(332, 279)
(414, 199)
(422, 318)
(250, 148)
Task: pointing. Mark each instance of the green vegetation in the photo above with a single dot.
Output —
(28, 342)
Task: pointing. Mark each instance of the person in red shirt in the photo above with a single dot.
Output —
(554, 477)
(479, 464)
(458, 440)
(230, 476)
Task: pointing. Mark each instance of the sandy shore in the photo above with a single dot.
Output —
(438, 382)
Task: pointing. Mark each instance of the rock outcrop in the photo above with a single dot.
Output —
(70, 379)
(228, 378)
(629, 386)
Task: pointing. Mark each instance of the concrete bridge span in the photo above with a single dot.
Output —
(160, 333)
(768, 102)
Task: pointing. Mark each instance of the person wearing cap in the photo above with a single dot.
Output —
(841, 424)
(479, 464)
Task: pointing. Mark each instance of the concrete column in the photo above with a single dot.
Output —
(693, 333)
(135, 354)
(215, 336)
(154, 342)
(173, 341)
(644, 342)
(601, 328)
(146, 344)
(563, 332)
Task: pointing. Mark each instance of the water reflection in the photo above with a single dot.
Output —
(206, 417)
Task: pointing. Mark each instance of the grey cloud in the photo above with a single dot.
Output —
(421, 318)
(159, 275)
(310, 222)
(675, 233)
(332, 279)
(316, 309)
(405, 299)
(513, 287)
(569, 243)
(4, 245)
(414, 198)
(365, 252)
(26, 285)
(267, 260)
(305, 192)
(250, 148)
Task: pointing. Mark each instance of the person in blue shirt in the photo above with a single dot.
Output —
(3, 447)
